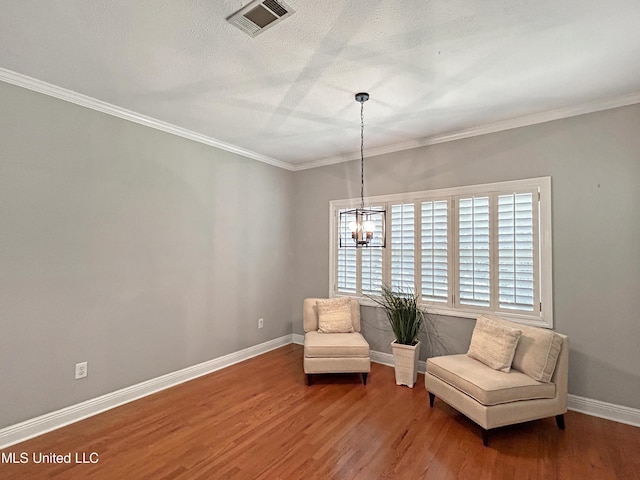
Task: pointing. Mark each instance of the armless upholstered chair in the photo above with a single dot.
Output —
(332, 341)
(521, 376)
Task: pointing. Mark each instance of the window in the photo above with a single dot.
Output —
(434, 237)
(516, 251)
(346, 281)
(464, 251)
(371, 265)
(474, 265)
(403, 250)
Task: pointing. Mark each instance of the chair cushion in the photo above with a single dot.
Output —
(494, 343)
(326, 345)
(537, 350)
(485, 385)
(334, 315)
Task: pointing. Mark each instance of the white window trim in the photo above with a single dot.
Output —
(543, 319)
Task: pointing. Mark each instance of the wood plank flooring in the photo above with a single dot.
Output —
(259, 420)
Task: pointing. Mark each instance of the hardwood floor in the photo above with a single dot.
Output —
(259, 420)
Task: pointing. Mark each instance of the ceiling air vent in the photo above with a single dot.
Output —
(259, 15)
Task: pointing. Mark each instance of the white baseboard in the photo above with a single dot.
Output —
(54, 420)
(610, 411)
(596, 408)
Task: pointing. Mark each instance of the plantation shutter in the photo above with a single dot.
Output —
(403, 247)
(372, 264)
(516, 247)
(434, 234)
(463, 251)
(473, 258)
(347, 260)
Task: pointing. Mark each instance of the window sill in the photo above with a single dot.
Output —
(533, 321)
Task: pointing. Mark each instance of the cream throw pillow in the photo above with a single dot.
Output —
(537, 350)
(334, 315)
(537, 353)
(493, 344)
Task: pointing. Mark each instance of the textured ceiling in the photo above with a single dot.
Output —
(432, 67)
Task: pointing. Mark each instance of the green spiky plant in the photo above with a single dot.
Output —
(404, 315)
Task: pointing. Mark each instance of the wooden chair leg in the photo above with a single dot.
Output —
(308, 379)
(432, 397)
(364, 377)
(485, 436)
(560, 421)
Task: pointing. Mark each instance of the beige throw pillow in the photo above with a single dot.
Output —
(537, 350)
(334, 315)
(493, 344)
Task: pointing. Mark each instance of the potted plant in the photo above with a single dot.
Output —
(406, 320)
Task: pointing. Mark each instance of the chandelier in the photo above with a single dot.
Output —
(366, 225)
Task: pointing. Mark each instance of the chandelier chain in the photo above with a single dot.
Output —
(362, 154)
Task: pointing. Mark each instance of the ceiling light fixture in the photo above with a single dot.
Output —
(367, 225)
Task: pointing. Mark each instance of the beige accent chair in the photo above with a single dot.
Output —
(334, 352)
(492, 398)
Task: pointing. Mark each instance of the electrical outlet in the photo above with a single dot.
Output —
(260, 322)
(81, 370)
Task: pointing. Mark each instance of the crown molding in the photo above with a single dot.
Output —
(524, 121)
(39, 86)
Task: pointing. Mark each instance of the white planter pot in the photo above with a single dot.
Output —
(405, 359)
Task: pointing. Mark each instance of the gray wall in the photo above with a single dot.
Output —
(143, 253)
(135, 250)
(594, 162)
